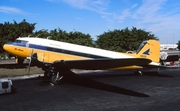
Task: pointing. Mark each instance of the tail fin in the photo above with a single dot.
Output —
(149, 49)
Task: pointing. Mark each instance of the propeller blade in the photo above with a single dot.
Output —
(31, 54)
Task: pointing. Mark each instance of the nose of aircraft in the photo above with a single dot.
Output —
(14, 50)
(7, 48)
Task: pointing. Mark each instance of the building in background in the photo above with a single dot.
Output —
(168, 47)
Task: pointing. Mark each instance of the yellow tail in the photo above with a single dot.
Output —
(149, 49)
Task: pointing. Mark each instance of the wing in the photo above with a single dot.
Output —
(99, 64)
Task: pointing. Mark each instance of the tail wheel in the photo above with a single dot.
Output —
(57, 79)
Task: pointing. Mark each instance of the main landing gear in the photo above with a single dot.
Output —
(19, 61)
(56, 76)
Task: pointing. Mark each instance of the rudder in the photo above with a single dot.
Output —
(149, 49)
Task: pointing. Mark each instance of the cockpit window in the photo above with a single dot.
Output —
(20, 43)
(17, 41)
(141, 46)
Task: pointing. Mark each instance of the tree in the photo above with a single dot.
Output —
(123, 40)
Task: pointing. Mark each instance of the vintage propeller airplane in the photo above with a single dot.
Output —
(57, 58)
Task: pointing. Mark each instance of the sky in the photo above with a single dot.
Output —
(94, 17)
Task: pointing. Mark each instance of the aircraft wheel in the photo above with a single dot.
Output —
(57, 79)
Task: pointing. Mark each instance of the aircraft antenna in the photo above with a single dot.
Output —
(29, 35)
(48, 37)
(38, 35)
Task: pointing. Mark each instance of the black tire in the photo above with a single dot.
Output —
(54, 81)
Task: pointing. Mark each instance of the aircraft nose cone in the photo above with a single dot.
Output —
(6, 47)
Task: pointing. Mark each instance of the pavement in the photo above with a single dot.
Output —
(97, 91)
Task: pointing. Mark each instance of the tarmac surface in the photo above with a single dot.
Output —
(98, 91)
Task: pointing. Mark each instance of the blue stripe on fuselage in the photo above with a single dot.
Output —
(45, 48)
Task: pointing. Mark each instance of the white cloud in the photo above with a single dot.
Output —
(98, 6)
(152, 16)
(124, 14)
(159, 17)
(6, 9)
(149, 11)
(93, 5)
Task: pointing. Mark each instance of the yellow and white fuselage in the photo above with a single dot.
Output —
(51, 50)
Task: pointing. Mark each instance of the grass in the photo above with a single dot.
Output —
(19, 72)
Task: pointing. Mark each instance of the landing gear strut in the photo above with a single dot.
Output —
(57, 78)
(19, 61)
(54, 75)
